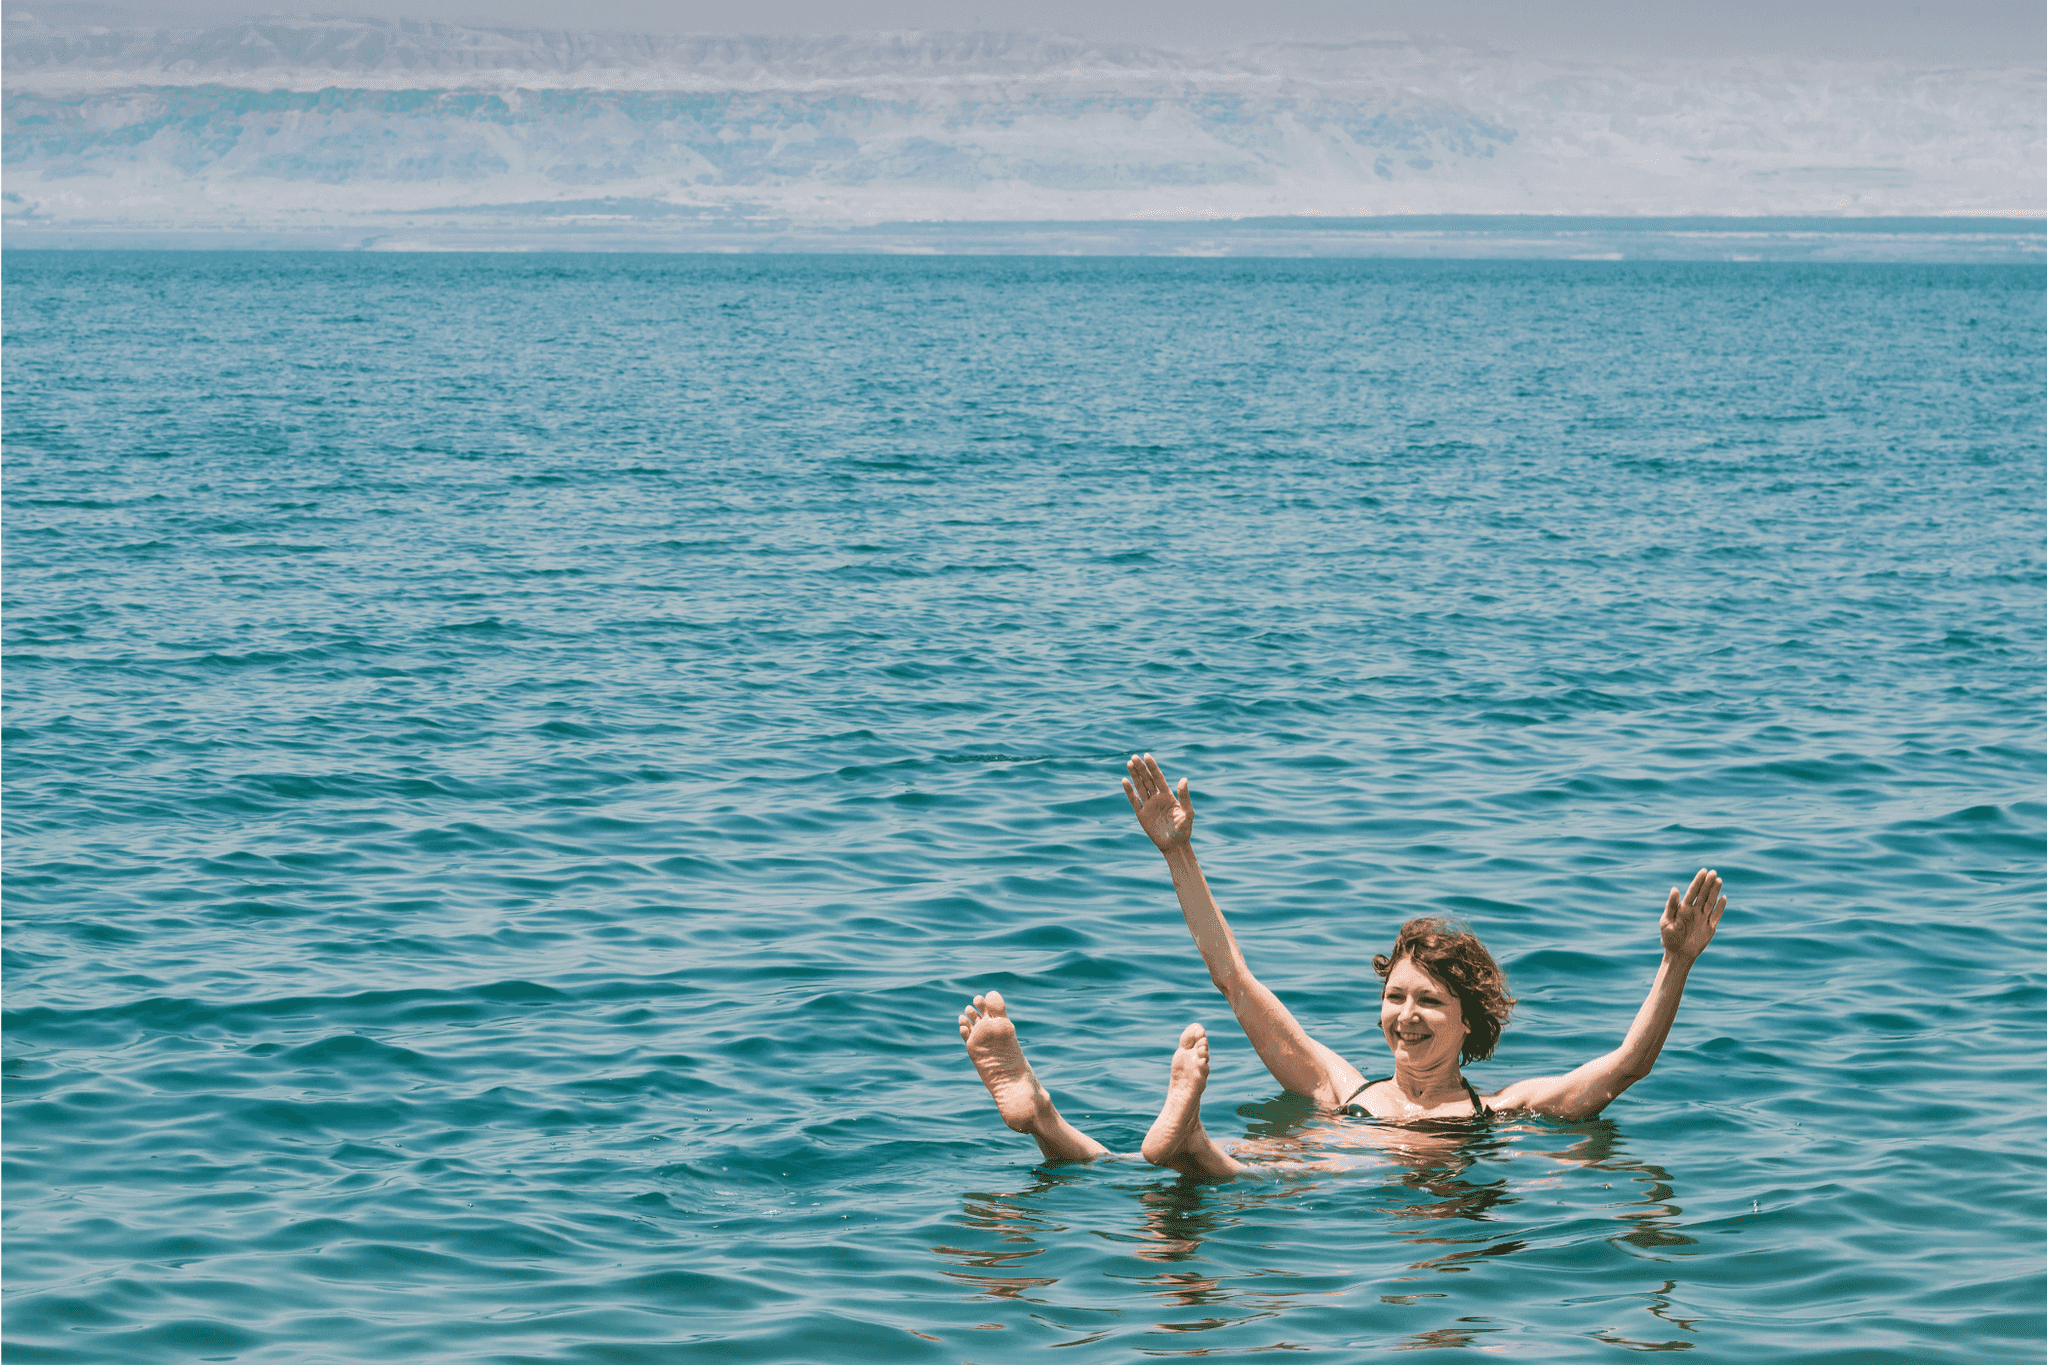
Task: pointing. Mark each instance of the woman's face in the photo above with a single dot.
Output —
(1422, 1018)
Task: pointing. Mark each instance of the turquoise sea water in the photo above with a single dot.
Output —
(514, 764)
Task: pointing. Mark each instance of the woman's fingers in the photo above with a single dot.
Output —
(1147, 783)
(1145, 774)
(1142, 786)
(1139, 777)
(1702, 908)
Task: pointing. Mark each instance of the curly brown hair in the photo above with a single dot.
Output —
(1454, 955)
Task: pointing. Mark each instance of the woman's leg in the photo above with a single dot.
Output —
(1177, 1139)
(992, 1042)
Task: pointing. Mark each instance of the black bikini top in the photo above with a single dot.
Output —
(1480, 1113)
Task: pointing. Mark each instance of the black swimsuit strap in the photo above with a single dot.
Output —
(1361, 1090)
(1479, 1109)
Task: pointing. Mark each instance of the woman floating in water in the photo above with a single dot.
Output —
(1443, 1001)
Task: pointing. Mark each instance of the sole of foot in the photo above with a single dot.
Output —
(999, 1059)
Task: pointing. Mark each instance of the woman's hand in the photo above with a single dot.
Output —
(1689, 920)
(1167, 817)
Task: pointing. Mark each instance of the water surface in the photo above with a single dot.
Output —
(513, 765)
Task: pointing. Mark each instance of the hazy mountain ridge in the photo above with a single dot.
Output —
(467, 145)
(428, 55)
(314, 121)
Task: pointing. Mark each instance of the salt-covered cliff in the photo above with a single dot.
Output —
(304, 123)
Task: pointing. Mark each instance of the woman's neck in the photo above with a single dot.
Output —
(1428, 1087)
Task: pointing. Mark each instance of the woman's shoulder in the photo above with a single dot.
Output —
(1341, 1081)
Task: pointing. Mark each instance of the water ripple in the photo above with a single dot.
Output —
(506, 799)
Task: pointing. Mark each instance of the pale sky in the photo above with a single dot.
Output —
(1920, 31)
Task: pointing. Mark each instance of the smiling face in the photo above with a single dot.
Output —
(1422, 1018)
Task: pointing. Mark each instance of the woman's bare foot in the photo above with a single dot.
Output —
(1177, 1139)
(992, 1042)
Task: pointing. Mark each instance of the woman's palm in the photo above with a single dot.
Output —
(1166, 816)
(1690, 918)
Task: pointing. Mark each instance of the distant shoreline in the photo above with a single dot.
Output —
(625, 226)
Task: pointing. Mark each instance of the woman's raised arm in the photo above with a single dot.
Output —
(1297, 1061)
(1687, 926)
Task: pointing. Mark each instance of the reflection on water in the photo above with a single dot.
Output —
(1011, 1218)
(1659, 1302)
(1175, 1220)
(1420, 1188)
(1653, 1216)
(1464, 1335)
